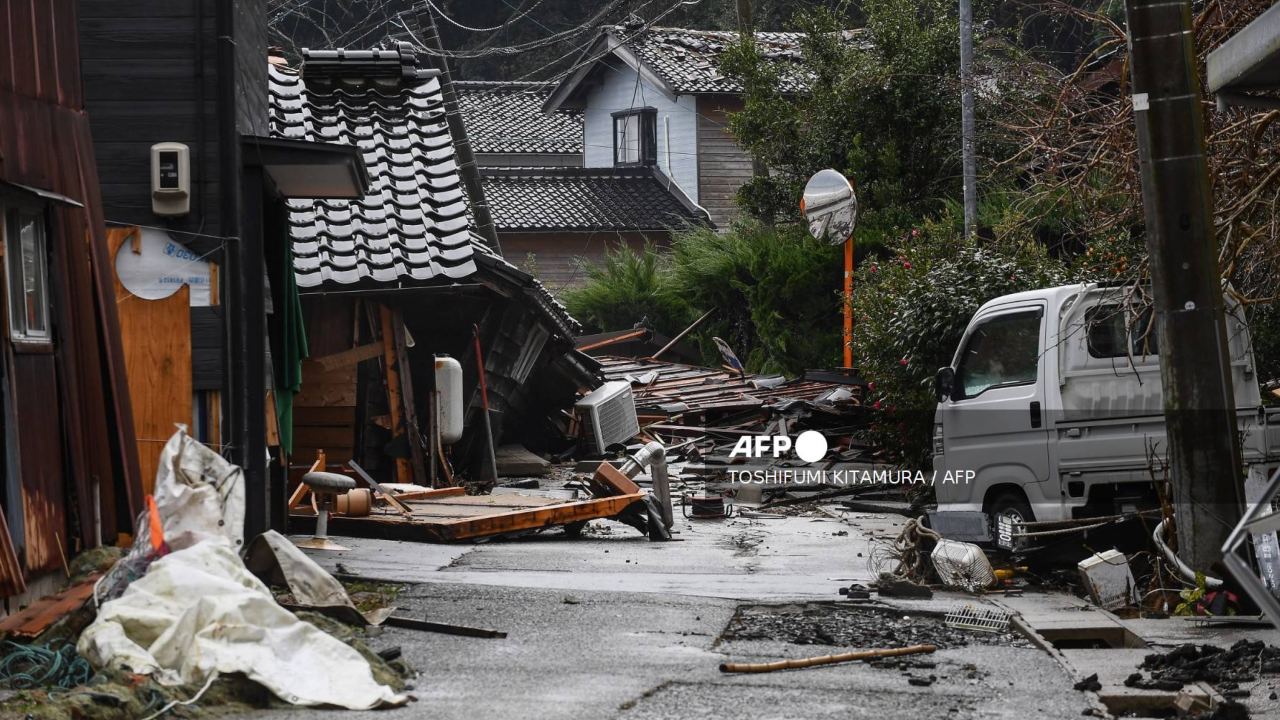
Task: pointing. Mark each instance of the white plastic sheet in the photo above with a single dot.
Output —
(198, 611)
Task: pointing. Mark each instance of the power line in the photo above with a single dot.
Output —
(444, 16)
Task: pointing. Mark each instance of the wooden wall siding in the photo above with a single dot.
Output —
(324, 417)
(618, 90)
(330, 321)
(555, 258)
(207, 340)
(150, 75)
(40, 60)
(73, 415)
(39, 419)
(723, 166)
(156, 336)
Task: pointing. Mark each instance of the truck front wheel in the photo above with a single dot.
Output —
(1008, 509)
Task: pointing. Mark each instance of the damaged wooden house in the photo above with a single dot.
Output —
(393, 283)
(69, 469)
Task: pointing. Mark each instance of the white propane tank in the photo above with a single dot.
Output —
(449, 402)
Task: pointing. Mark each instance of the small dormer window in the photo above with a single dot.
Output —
(635, 137)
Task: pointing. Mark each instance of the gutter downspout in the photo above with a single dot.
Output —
(654, 457)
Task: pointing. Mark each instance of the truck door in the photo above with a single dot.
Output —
(995, 421)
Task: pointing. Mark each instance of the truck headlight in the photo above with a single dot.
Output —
(937, 438)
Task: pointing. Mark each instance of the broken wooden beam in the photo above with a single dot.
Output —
(610, 481)
(825, 659)
(444, 628)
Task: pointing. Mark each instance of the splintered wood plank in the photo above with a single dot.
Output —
(613, 481)
(495, 521)
(504, 500)
(38, 616)
(418, 495)
(519, 520)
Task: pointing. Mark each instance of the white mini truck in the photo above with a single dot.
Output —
(1052, 410)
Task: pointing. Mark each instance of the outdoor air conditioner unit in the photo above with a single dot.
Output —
(608, 415)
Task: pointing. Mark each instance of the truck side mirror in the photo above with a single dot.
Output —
(943, 383)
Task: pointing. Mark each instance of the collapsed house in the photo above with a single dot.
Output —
(391, 280)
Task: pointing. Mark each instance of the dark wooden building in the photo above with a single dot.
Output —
(190, 76)
(69, 467)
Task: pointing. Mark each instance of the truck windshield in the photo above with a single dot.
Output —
(1002, 351)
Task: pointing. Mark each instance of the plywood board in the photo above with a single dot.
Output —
(156, 337)
(37, 617)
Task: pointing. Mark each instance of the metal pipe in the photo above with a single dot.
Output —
(654, 457)
(1186, 572)
(322, 518)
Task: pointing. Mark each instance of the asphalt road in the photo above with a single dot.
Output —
(613, 626)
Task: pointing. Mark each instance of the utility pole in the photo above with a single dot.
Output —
(745, 26)
(969, 166)
(1195, 370)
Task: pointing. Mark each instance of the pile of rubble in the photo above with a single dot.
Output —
(1226, 669)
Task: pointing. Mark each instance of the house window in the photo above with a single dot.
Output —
(635, 137)
(26, 273)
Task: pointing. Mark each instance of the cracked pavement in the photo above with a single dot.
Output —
(611, 625)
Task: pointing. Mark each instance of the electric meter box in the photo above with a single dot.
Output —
(170, 179)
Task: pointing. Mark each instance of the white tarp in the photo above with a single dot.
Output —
(198, 611)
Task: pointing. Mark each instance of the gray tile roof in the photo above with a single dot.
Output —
(689, 60)
(624, 199)
(413, 225)
(507, 117)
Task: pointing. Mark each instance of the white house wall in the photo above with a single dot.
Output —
(677, 119)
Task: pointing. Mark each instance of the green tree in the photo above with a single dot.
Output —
(882, 107)
(631, 286)
(911, 310)
(774, 290)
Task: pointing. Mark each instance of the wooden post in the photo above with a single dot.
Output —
(404, 471)
(408, 397)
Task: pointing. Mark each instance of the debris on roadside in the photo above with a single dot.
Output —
(827, 660)
(198, 612)
(1225, 669)
(1090, 683)
(443, 628)
(892, 586)
(981, 619)
(855, 626)
(961, 565)
(1108, 579)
